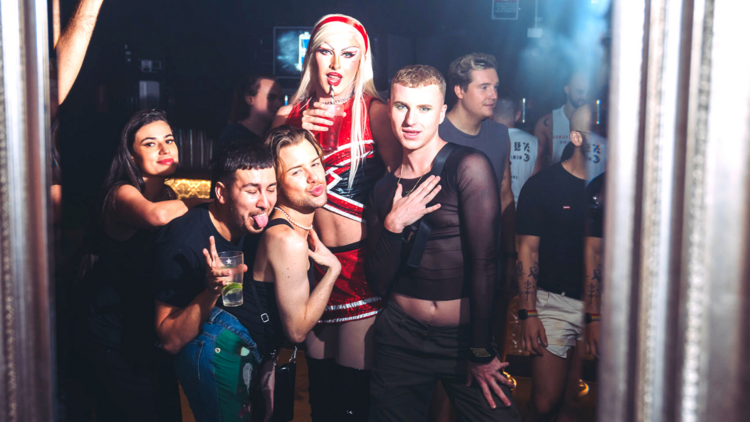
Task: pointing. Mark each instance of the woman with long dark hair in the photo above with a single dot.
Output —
(130, 379)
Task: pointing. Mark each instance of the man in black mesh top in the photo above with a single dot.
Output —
(439, 277)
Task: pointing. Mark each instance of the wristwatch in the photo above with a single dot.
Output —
(482, 355)
(592, 318)
(524, 313)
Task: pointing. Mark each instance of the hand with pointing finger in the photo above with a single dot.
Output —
(409, 209)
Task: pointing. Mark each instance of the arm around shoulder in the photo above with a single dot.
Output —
(132, 208)
(389, 148)
(282, 115)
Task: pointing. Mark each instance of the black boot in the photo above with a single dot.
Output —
(320, 389)
(352, 402)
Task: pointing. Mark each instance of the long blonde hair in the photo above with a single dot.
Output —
(363, 81)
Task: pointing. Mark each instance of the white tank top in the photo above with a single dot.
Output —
(596, 156)
(560, 134)
(523, 152)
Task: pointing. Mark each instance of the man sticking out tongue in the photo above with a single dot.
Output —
(215, 344)
(261, 219)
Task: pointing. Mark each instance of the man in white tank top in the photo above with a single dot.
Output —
(553, 130)
(523, 146)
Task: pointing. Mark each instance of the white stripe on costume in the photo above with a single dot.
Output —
(352, 318)
(353, 304)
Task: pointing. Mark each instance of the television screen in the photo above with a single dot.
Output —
(289, 47)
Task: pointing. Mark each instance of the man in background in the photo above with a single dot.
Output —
(553, 130)
(524, 147)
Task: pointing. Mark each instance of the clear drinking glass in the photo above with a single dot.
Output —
(329, 141)
(231, 294)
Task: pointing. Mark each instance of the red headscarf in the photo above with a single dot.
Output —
(347, 20)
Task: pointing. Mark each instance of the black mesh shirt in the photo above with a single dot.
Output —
(460, 259)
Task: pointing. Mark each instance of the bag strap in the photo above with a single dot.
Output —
(423, 233)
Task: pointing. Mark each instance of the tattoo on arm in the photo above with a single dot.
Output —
(597, 274)
(534, 271)
(594, 290)
(519, 269)
(529, 289)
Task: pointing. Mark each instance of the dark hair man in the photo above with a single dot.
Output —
(219, 349)
(553, 130)
(474, 82)
(551, 211)
(440, 284)
(524, 147)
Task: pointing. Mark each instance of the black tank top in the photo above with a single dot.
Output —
(267, 298)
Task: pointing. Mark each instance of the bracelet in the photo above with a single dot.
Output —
(593, 318)
(527, 313)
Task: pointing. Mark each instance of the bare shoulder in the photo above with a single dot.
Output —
(379, 115)
(127, 193)
(378, 108)
(282, 115)
(283, 241)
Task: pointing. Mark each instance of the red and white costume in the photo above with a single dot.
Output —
(351, 298)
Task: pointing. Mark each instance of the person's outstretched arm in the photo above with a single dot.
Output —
(131, 208)
(288, 256)
(73, 43)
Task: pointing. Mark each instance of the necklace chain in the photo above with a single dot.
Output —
(292, 221)
(415, 185)
(341, 101)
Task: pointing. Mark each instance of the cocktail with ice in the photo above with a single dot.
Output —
(231, 294)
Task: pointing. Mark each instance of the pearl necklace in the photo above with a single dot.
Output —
(292, 221)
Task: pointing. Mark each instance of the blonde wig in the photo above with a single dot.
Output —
(328, 27)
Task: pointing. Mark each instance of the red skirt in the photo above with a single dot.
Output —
(351, 298)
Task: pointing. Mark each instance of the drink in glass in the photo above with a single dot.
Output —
(329, 141)
(231, 294)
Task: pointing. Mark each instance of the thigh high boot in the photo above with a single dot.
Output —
(352, 399)
(320, 388)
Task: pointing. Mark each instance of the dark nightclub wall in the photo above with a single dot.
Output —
(206, 46)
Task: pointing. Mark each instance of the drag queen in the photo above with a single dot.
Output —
(337, 80)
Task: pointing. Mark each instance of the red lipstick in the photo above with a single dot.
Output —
(166, 161)
(334, 79)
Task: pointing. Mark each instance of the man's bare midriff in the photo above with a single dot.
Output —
(336, 230)
(438, 313)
